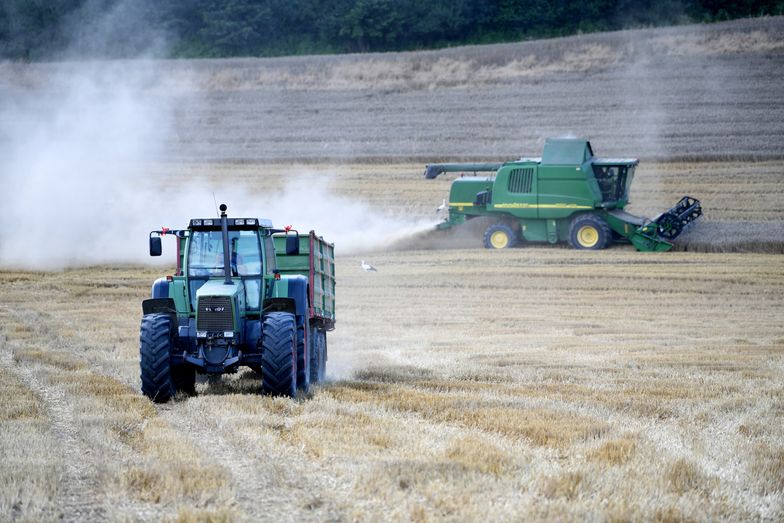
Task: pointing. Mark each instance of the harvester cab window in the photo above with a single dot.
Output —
(611, 179)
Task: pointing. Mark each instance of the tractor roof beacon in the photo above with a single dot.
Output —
(243, 294)
(567, 195)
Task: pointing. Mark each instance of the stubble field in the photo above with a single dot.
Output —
(533, 384)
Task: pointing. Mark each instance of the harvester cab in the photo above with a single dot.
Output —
(567, 194)
(227, 305)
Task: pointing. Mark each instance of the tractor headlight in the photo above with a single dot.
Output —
(201, 334)
(196, 223)
(239, 221)
(207, 222)
(228, 334)
(250, 221)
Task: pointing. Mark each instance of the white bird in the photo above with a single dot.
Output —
(367, 267)
(442, 206)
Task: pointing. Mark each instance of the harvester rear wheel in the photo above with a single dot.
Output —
(500, 236)
(589, 231)
(279, 356)
(156, 340)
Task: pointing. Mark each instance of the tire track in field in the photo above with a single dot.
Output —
(269, 481)
(80, 498)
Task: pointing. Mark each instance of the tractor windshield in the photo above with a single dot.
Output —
(205, 255)
(205, 259)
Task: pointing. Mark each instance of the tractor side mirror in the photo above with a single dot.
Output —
(292, 244)
(155, 246)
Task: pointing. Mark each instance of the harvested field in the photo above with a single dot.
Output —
(534, 384)
(530, 384)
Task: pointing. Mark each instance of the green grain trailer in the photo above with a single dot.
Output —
(566, 195)
(243, 294)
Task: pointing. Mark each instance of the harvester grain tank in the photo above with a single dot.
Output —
(566, 195)
(243, 294)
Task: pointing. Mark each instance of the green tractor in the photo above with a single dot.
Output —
(243, 294)
(566, 195)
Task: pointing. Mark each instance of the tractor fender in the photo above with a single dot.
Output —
(298, 291)
(295, 288)
(160, 289)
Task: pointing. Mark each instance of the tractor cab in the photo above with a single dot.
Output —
(205, 260)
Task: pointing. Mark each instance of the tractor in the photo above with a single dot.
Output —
(567, 195)
(244, 294)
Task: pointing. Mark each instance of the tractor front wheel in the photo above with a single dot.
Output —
(279, 355)
(589, 231)
(500, 236)
(156, 341)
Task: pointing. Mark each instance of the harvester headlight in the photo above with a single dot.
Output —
(196, 223)
(201, 334)
(228, 334)
(239, 221)
(207, 222)
(250, 221)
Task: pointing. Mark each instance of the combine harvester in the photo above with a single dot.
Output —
(243, 293)
(566, 195)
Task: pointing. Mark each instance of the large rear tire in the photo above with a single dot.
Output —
(303, 359)
(156, 341)
(279, 355)
(589, 232)
(318, 357)
(501, 236)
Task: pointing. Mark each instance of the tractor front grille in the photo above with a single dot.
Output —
(215, 314)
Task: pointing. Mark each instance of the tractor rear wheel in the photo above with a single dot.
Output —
(156, 341)
(303, 360)
(318, 357)
(501, 236)
(589, 231)
(279, 355)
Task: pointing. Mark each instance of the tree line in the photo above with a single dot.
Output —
(54, 29)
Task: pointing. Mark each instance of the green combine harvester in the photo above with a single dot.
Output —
(567, 195)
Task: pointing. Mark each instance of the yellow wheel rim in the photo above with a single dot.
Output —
(588, 236)
(499, 240)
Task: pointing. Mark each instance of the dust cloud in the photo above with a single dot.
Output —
(77, 190)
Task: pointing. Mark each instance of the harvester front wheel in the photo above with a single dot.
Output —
(500, 236)
(279, 355)
(156, 340)
(589, 231)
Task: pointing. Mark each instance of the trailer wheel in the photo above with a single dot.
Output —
(303, 363)
(156, 340)
(279, 356)
(318, 357)
(500, 236)
(589, 231)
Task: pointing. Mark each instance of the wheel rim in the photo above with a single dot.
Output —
(588, 236)
(499, 240)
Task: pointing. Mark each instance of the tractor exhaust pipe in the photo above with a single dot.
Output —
(226, 254)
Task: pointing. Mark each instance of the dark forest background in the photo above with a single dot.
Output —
(61, 29)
